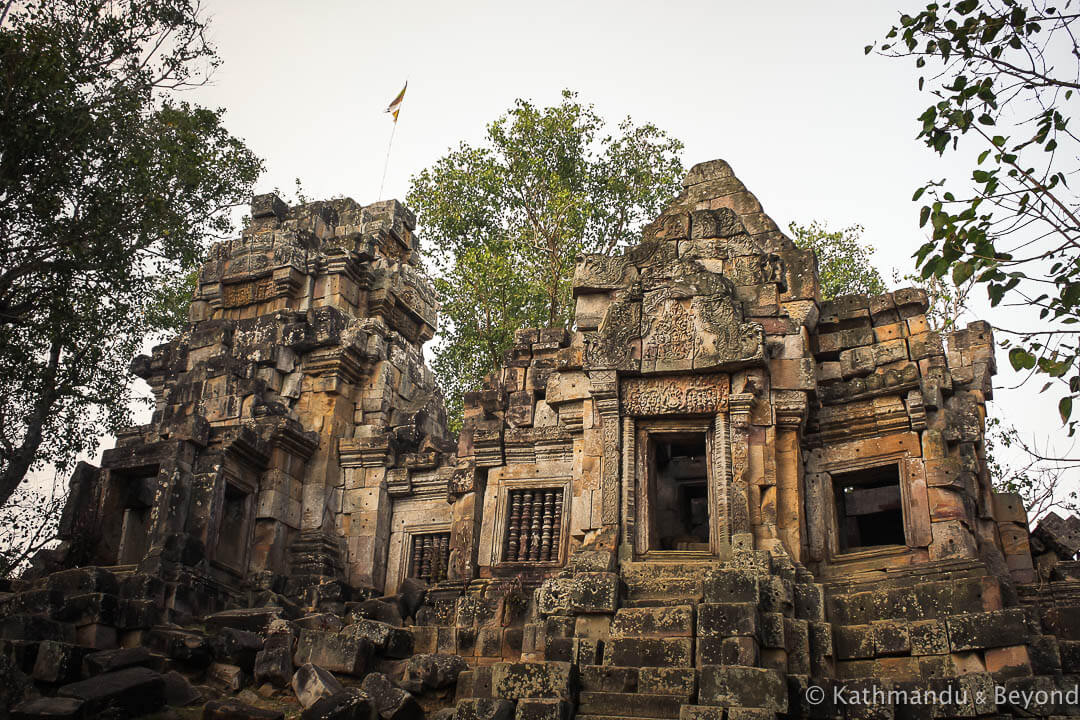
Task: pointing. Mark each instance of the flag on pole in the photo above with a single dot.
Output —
(395, 106)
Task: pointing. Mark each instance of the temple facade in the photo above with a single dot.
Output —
(715, 490)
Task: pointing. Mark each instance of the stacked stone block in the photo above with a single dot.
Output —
(271, 526)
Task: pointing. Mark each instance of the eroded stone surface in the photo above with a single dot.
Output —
(717, 491)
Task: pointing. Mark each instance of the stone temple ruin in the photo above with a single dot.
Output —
(715, 497)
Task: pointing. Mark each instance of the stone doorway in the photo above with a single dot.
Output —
(677, 499)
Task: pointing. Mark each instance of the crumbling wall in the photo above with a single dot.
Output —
(296, 519)
(289, 415)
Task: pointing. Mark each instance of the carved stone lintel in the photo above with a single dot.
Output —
(246, 293)
(691, 395)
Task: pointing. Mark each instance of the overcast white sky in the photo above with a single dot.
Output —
(781, 90)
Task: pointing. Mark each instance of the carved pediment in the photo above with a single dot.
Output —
(689, 320)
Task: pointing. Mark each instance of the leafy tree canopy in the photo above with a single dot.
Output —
(843, 261)
(111, 190)
(1001, 74)
(505, 221)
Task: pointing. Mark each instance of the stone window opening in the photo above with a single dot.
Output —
(533, 525)
(869, 509)
(678, 487)
(429, 557)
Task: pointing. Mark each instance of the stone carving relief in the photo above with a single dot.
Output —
(614, 343)
(246, 293)
(685, 395)
(723, 338)
(603, 272)
(687, 319)
(609, 486)
(669, 336)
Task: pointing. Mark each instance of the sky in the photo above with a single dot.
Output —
(783, 91)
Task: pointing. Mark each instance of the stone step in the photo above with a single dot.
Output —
(662, 621)
(851, 578)
(935, 599)
(609, 678)
(680, 681)
(637, 705)
(717, 712)
(679, 589)
(649, 652)
(659, 602)
(672, 569)
(579, 716)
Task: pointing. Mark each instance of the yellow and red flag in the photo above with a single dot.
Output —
(395, 106)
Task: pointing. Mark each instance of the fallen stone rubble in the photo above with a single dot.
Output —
(747, 638)
(61, 657)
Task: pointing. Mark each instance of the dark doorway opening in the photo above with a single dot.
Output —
(233, 533)
(868, 508)
(679, 492)
(134, 532)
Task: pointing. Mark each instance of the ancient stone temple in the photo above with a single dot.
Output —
(714, 498)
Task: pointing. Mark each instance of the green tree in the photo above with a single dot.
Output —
(111, 190)
(843, 261)
(504, 223)
(1001, 74)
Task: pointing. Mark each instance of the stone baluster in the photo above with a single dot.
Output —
(535, 534)
(513, 531)
(545, 537)
(417, 556)
(443, 557)
(526, 523)
(556, 526)
(425, 568)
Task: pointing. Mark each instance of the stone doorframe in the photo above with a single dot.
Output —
(636, 433)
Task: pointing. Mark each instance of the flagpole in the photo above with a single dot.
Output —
(386, 162)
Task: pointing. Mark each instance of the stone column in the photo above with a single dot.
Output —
(789, 487)
(739, 405)
(604, 387)
(466, 493)
(791, 410)
(364, 514)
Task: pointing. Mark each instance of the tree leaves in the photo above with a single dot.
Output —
(1013, 228)
(112, 191)
(505, 222)
(844, 266)
(1021, 359)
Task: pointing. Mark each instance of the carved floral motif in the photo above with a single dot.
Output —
(610, 482)
(693, 395)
